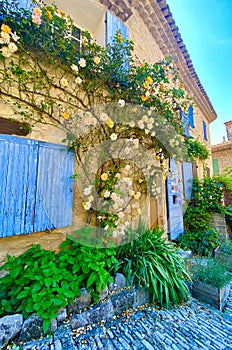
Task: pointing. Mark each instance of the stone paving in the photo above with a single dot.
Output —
(192, 326)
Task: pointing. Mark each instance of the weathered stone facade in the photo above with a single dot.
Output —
(155, 35)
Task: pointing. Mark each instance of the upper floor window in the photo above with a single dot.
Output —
(205, 131)
(215, 166)
(191, 116)
(185, 123)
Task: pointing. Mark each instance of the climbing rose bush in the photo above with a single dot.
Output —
(121, 115)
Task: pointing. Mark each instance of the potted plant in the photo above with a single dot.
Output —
(211, 281)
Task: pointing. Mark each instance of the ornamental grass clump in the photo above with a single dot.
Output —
(211, 271)
(151, 262)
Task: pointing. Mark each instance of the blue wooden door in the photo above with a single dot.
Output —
(174, 203)
(36, 188)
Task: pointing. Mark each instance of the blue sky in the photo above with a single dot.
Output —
(206, 29)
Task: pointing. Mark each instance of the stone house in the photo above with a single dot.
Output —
(150, 25)
(222, 158)
(222, 152)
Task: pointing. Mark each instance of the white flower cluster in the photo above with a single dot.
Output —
(8, 40)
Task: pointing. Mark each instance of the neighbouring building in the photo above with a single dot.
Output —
(222, 152)
(150, 25)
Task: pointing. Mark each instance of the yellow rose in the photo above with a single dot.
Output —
(49, 15)
(90, 199)
(5, 28)
(65, 115)
(96, 60)
(144, 98)
(149, 80)
(109, 123)
(37, 11)
(104, 176)
(62, 13)
(63, 82)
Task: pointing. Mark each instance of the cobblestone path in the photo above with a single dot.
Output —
(191, 326)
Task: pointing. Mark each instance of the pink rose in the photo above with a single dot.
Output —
(36, 19)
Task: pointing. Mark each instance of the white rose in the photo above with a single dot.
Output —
(121, 103)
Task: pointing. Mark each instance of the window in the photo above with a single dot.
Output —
(13, 127)
(36, 188)
(215, 166)
(205, 131)
(185, 123)
(191, 116)
(113, 24)
(74, 34)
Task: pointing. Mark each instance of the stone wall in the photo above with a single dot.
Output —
(219, 223)
(115, 299)
(223, 152)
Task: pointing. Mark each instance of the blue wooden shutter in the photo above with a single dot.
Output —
(191, 116)
(205, 131)
(187, 179)
(36, 190)
(174, 203)
(54, 191)
(26, 4)
(18, 163)
(112, 26)
(185, 123)
(215, 166)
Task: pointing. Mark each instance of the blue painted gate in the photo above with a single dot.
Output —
(174, 203)
(36, 188)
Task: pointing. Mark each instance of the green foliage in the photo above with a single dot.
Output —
(226, 247)
(92, 265)
(200, 242)
(206, 199)
(36, 284)
(212, 272)
(228, 216)
(152, 262)
(225, 178)
(196, 150)
(41, 282)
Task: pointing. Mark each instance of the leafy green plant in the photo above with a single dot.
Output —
(225, 178)
(200, 242)
(40, 281)
(212, 272)
(226, 247)
(152, 262)
(92, 265)
(206, 199)
(228, 216)
(35, 284)
(196, 150)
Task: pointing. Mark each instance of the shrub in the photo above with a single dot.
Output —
(213, 272)
(200, 242)
(152, 262)
(229, 216)
(206, 199)
(42, 282)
